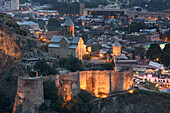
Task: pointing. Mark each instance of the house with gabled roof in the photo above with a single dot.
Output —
(67, 45)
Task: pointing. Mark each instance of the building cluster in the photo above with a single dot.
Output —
(107, 33)
(9, 5)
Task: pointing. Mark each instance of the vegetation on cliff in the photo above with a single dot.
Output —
(5, 104)
(79, 104)
(156, 53)
(14, 42)
(138, 102)
(72, 63)
(43, 69)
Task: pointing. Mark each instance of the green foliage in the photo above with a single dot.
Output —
(51, 93)
(12, 23)
(72, 63)
(44, 68)
(43, 107)
(135, 27)
(63, 7)
(86, 57)
(50, 90)
(95, 3)
(165, 57)
(84, 37)
(150, 85)
(32, 19)
(154, 51)
(152, 5)
(78, 104)
(140, 51)
(53, 24)
(96, 47)
(23, 32)
(5, 103)
(85, 96)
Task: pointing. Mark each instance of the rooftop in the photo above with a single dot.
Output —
(68, 22)
(116, 43)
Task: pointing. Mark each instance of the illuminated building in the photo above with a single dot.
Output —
(64, 46)
(11, 4)
(116, 48)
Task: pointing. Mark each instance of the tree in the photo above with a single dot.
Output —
(165, 57)
(135, 27)
(72, 63)
(154, 51)
(53, 24)
(32, 19)
(140, 51)
(96, 47)
(44, 69)
(167, 48)
(5, 104)
(84, 37)
(86, 57)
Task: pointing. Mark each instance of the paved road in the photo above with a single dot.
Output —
(142, 88)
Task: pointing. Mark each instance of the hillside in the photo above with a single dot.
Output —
(14, 43)
(138, 102)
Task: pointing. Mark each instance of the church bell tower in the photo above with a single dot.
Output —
(68, 28)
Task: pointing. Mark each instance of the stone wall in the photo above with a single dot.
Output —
(29, 95)
(99, 83)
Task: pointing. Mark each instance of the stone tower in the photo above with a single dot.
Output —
(68, 28)
(29, 95)
(116, 48)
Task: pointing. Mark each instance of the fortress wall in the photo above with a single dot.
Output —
(128, 79)
(99, 83)
(95, 82)
(69, 85)
(29, 95)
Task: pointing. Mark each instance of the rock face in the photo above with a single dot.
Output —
(14, 41)
(138, 102)
(29, 95)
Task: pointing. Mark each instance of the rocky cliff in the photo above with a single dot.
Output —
(14, 42)
(138, 102)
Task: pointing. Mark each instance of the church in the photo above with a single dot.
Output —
(67, 45)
